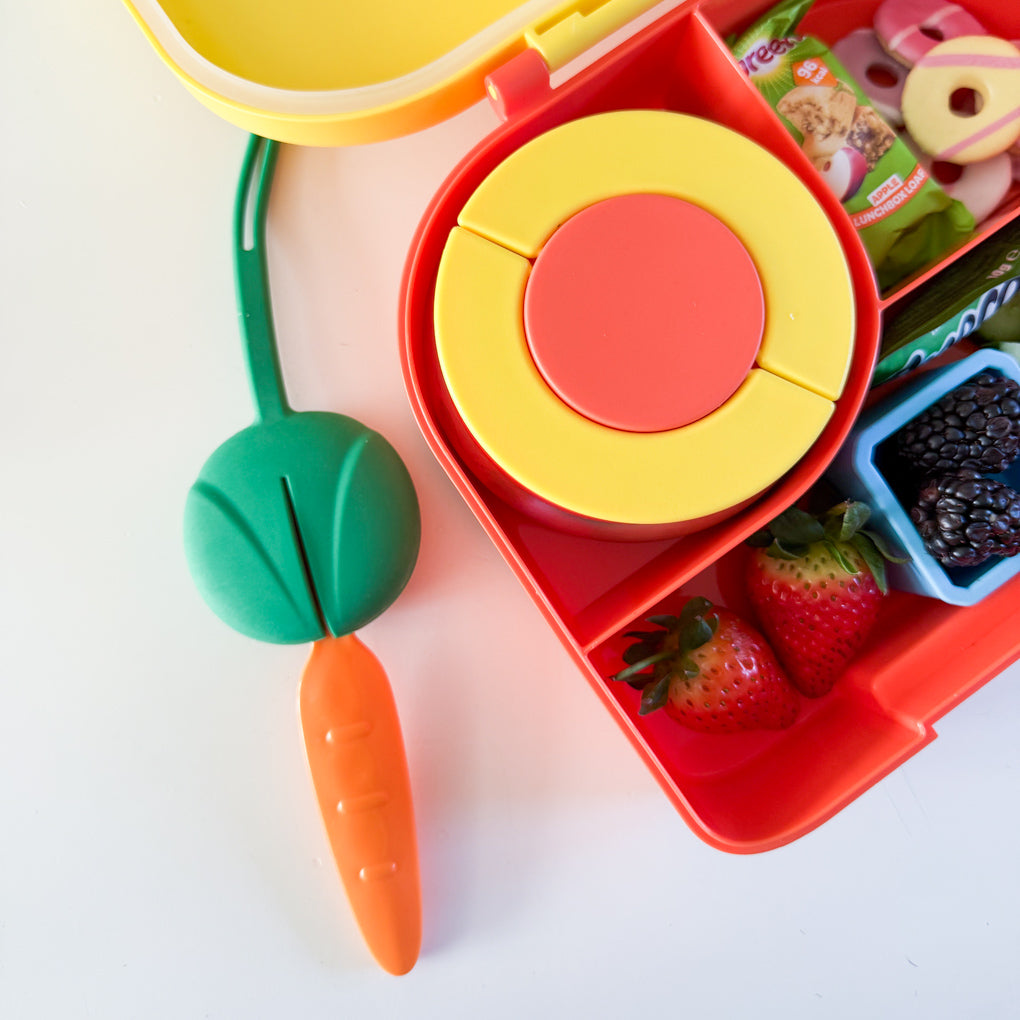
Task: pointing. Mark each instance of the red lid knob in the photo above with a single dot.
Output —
(644, 312)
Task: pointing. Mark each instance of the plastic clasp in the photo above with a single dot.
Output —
(520, 83)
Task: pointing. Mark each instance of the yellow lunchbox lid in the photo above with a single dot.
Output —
(321, 72)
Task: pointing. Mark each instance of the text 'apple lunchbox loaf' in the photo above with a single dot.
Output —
(903, 217)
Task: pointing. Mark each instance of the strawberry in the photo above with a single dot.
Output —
(710, 671)
(816, 585)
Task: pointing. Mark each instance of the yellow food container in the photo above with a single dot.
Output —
(609, 308)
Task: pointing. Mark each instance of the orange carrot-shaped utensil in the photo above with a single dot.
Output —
(359, 769)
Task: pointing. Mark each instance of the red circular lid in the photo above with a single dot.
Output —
(644, 312)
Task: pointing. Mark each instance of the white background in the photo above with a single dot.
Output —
(160, 851)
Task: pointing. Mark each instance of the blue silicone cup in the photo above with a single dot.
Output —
(864, 469)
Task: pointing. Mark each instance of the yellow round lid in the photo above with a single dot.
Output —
(621, 223)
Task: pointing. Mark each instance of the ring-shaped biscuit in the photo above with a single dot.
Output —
(879, 75)
(685, 474)
(908, 29)
(983, 63)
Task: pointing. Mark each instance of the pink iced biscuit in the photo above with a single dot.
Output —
(879, 76)
(981, 187)
(908, 29)
(986, 66)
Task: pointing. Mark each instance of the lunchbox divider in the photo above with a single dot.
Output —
(928, 275)
(921, 662)
(728, 97)
(845, 747)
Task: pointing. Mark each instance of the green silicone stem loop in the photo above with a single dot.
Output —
(251, 275)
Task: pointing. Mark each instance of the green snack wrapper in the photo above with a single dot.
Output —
(955, 304)
(903, 217)
(1004, 326)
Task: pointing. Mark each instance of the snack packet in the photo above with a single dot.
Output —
(902, 215)
(1003, 326)
(956, 304)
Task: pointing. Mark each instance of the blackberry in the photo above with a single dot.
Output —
(965, 518)
(975, 426)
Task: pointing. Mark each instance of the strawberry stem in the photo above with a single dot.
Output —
(790, 535)
(665, 652)
(643, 664)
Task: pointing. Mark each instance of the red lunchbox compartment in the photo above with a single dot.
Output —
(744, 792)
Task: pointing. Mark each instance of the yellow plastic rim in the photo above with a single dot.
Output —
(318, 72)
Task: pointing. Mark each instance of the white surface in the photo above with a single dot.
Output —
(160, 853)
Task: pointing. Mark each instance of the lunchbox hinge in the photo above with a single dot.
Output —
(568, 34)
